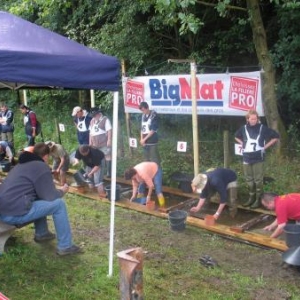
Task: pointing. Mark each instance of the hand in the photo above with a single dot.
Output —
(194, 209)
(131, 199)
(216, 216)
(268, 228)
(76, 161)
(65, 188)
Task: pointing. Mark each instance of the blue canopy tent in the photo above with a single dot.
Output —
(34, 57)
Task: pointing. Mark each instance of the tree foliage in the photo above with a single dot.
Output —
(218, 34)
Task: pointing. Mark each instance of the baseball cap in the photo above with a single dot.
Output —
(76, 109)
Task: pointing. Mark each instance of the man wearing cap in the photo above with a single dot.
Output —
(82, 121)
(287, 207)
(220, 180)
(100, 137)
(61, 161)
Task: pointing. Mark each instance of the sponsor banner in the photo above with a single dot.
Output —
(230, 94)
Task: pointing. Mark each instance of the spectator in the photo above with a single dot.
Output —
(220, 180)
(286, 207)
(28, 194)
(6, 151)
(7, 125)
(149, 137)
(100, 137)
(82, 122)
(61, 161)
(32, 126)
(255, 139)
(146, 174)
(92, 158)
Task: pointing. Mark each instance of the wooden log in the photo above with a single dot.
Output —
(247, 225)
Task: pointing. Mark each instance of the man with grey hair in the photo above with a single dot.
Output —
(220, 180)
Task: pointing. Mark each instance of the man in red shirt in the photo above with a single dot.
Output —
(287, 207)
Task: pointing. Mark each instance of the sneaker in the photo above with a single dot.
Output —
(71, 250)
(44, 238)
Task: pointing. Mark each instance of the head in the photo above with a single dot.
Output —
(42, 150)
(3, 107)
(252, 117)
(199, 183)
(268, 200)
(84, 150)
(96, 112)
(77, 112)
(24, 109)
(129, 173)
(144, 107)
(50, 144)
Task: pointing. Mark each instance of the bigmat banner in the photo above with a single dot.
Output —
(216, 94)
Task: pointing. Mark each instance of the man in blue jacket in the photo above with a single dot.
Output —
(28, 194)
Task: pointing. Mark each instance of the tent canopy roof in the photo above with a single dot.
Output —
(32, 56)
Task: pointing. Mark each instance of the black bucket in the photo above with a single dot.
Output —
(177, 219)
(292, 235)
(5, 165)
(80, 179)
(108, 192)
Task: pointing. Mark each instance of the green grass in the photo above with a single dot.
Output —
(171, 268)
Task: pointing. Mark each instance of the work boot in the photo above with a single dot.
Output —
(108, 168)
(257, 202)
(250, 201)
(232, 198)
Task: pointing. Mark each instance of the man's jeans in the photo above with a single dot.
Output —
(157, 181)
(38, 213)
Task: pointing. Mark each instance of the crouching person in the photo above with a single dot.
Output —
(146, 174)
(222, 181)
(28, 195)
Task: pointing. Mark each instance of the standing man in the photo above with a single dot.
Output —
(32, 126)
(28, 194)
(7, 126)
(149, 136)
(92, 159)
(100, 137)
(146, 174)
(255, 139)
(82, 121)
(287, 207)
(222, 181)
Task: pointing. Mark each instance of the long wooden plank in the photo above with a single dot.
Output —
(217, 228)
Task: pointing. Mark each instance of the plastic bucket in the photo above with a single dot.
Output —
(108, 192)
(177, 219)
(292, 235)
(140, 200)
(5, 165)
(80, 179)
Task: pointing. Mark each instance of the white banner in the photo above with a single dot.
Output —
(230, 94)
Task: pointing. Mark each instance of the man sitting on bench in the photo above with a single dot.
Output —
(28, 194)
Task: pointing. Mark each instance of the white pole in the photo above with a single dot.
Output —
(113, 180)
(25, 97)
(92, 92)
(195, 118)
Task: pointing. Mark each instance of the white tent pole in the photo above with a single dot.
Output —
(92, 92)
(113, 180)
(25, 97)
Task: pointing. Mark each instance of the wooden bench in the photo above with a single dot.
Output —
(6, 230)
